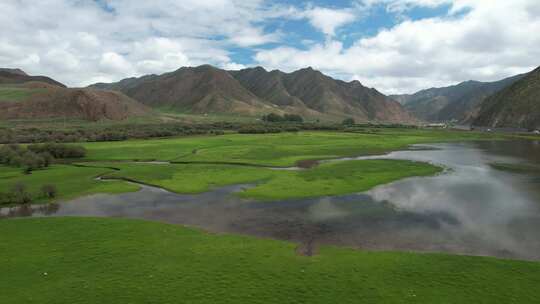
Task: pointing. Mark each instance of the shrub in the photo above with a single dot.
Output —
(348, 121)
(293, 118)
(19, 194)
(4, 198)
(272, 117)
(49, 191)
(32, 161)
(259, 129)
(59, 150)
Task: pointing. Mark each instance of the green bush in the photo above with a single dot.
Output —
(49, 191)
(59, 150)
(19, 194)
(348, 121)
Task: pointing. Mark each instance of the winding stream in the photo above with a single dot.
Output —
(471, 209)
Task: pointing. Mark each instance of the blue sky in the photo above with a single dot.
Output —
(396, 46)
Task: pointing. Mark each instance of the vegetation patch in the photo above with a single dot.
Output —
(16, 94)
(327, 179)
(37, 156)
(516, 168)
(283, 149)
(338, 178)
(187, 178)
(57, 182)
(204, 164)
(90, 260)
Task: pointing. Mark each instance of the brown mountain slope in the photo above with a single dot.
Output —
(201, 89)
(310, 90)
(458, 102)
(270, 86)
(55, 102)
(17, 76)
(517, 106)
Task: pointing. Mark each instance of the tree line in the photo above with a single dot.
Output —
(273, 117)
(271, 123)
(36, 156)
(19, 194)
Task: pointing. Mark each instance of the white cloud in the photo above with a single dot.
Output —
(77, 41)
(491, 41)
(113, 63)
(405, 5)
(328, 20)
(233, 66)
(253, 36)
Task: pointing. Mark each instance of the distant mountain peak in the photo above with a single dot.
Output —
(458, 102)
(14, 71)
(18, 76)
(259, 68)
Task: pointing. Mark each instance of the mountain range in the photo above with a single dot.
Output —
(459, 103)
(310, 93)
(511, 102)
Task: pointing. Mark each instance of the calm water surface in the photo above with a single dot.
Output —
(470, 209)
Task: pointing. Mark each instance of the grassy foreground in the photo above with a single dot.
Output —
(88, 260)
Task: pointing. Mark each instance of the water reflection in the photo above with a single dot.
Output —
(472, 209)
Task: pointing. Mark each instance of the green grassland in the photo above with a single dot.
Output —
(327, 179)
(205, 162)
(16, 94)
(282, 149)
(70, 181)
(89, 260)
(338, 178)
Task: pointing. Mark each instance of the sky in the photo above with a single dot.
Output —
(396, 46)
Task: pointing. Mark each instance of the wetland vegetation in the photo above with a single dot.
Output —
(198, 163)
(281, 186)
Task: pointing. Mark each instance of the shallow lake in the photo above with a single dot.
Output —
(470, 209)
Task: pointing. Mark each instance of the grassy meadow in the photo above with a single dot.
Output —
(70, 181)
(282, 149)
(327, 179)
(200, 163)
(89, 260)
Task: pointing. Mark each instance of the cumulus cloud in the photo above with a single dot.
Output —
(492, 40)
(231, 66)
(328, 20)
(80, 41)
(404, 5)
